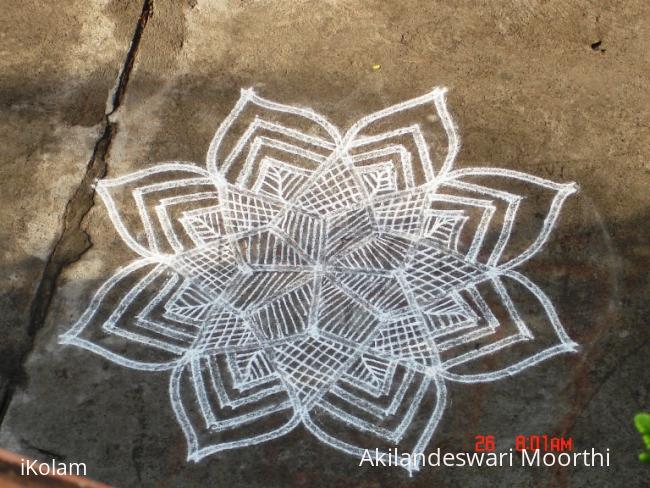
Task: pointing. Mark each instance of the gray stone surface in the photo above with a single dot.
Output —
(59, 66)
(557, 89)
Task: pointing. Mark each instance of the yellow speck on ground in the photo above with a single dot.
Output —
(376, 67)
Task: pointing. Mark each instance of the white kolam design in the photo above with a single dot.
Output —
(305, 276)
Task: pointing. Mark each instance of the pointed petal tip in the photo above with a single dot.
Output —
(572, 187)
(66, 338)
(572, 346)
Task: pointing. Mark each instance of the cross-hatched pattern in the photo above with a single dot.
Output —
(309, 365)
(433, 272)
(244, 210)
(402, 213)
(335, 189)
(210, 267)
(408, 339)
(224, 331)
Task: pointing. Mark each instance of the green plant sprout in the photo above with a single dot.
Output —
(642, 422)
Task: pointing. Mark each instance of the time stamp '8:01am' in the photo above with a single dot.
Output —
(487, 443)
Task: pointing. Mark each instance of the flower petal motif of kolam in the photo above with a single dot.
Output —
(334, 280)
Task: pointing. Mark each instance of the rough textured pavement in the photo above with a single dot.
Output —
(93, 88)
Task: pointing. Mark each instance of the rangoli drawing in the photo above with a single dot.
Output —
(306, 276)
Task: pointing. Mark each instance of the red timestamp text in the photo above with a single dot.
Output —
(542, 442)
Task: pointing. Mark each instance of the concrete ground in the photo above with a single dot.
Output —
(100, 88)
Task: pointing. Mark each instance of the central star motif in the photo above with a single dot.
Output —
(326, 261)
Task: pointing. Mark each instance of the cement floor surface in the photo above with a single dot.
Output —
(105, 87)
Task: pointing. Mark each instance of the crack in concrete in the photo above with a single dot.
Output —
(73, 241)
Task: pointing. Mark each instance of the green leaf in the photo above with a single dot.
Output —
(644, 457)
(642, 422)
